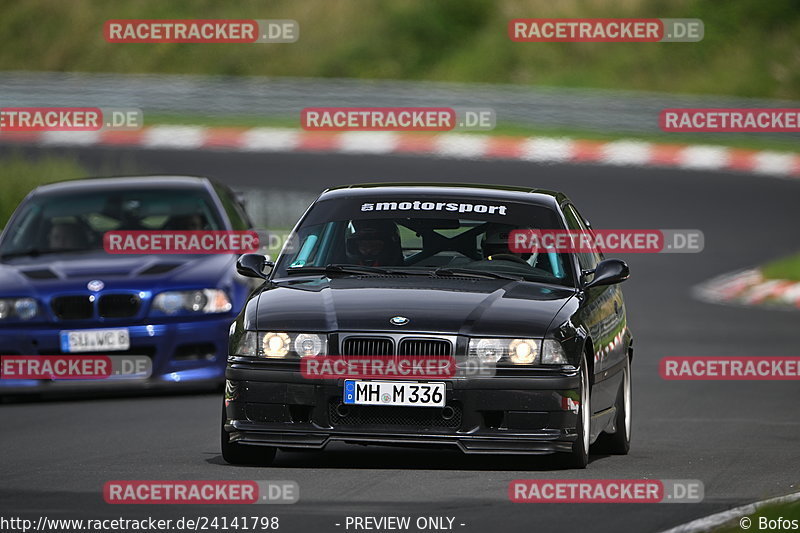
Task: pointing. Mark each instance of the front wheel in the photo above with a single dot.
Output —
(239, 454)
(579, 456)
(619, 442)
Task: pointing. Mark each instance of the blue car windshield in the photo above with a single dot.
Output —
(471, 236)
(76, 222)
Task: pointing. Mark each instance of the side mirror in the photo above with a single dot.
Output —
(254, 266)
(609, 272)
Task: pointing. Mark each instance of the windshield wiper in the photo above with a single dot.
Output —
(447, 271)
(341, 269)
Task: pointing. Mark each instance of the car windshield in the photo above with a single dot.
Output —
(76, 222)
(438, 236)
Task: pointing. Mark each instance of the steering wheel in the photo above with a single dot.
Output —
(509, 257)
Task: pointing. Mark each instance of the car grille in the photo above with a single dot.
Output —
(425, 347)
(385, 346)
(118, 305)
(412, 417)
(367, 346)
(72, 307)
(108, 306)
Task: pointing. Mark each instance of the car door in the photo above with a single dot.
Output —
(602, 312)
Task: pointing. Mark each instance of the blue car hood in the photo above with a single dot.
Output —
(35, 276)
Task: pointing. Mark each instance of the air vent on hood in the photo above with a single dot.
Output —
(42, 273)
(161, 268)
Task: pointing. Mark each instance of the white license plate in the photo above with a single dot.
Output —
(95, 340)
(403, 393)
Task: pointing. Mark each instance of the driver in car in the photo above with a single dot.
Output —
(375, 243)
(66, 236)
(495, 245)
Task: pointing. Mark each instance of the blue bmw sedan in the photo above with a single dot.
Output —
(61, 293)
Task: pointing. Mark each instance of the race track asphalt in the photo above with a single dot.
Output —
(742, 439)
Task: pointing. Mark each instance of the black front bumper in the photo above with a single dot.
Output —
(518, 415)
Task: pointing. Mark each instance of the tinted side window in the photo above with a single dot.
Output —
(587, 260)
(237, 216)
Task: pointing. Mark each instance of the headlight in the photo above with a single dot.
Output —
(20, 308)
(553, 353)
(199, 301)
(280, 345)
(516, 351)
(488, 350)
(523, 351)
(308, 344)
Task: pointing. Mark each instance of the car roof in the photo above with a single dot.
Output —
(123, 182)
(456, 190)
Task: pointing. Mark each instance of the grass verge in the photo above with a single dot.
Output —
(764, 519)
(787, 268)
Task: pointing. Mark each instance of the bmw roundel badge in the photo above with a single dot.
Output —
(399, 320)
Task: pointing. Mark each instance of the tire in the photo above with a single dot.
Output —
(619, 443)
(238, 454)
(579, 457)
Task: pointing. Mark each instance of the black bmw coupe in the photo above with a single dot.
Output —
(397, 270)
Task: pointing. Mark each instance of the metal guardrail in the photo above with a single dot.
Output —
(624, 112)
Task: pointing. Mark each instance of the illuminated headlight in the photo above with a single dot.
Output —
(205, 301)
(280, 345)
(523, 351)
(553, 353)
(515, 351)
(21, 308)
(274, 345)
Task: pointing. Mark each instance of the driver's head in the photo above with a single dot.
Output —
(496, 241)
(375, 242)
(66, 236)
(190, 222)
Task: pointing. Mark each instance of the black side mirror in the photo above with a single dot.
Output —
(609, 272)
(254, 266)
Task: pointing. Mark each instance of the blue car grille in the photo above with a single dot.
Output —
(72, 307)
(82, 307)
(118, 305)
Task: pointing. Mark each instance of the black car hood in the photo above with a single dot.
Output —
(463, 306)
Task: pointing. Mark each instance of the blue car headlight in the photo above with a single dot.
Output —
(18, 308)
(205, 301)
